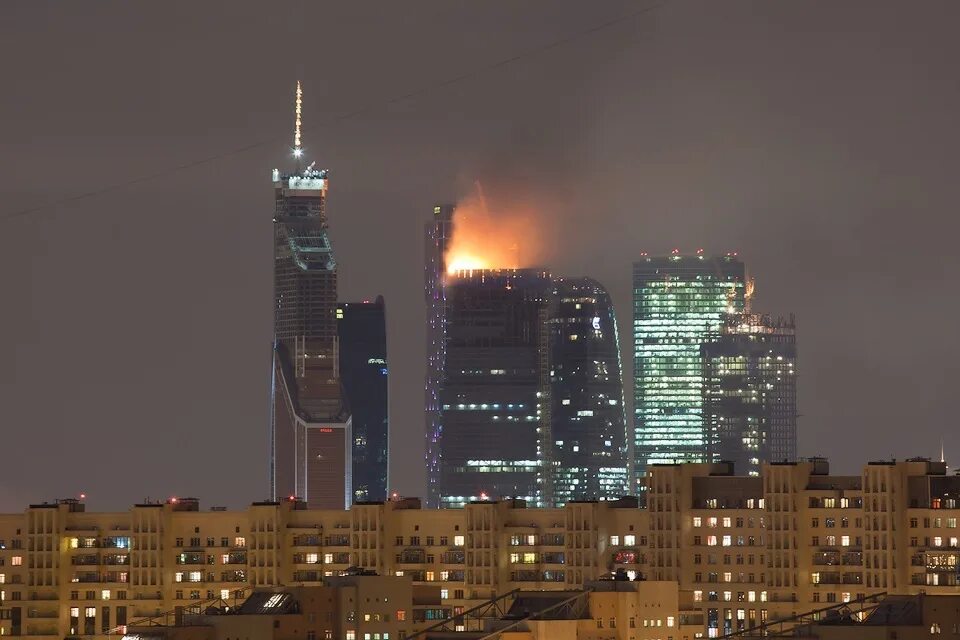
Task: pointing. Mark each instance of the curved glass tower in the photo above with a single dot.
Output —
(588, 426)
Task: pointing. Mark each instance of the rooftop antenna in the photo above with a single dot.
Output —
(297, 148)
(941, 451)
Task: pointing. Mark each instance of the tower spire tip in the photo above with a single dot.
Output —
(297, 147)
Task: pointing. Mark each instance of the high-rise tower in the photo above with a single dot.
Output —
(361, 327)
(494, 436)
(310, 431)
(588, 426)
(437, 233)
(678, 303)
(750, 391)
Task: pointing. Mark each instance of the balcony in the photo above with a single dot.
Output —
(86, 577)
(85, 560)
(307, 576)
(853, 578)
(452, 557)
(35, 596)
(191, 558)
(337, 541)
(413, 556)
(38, 614)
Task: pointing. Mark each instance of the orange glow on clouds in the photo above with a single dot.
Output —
(492, 238)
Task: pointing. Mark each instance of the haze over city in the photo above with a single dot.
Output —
(135, 339)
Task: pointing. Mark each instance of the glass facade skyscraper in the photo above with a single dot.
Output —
(678, 304)
(495, 378)
(588, 426)
(362, 329)
(750, 391)
(437, 233)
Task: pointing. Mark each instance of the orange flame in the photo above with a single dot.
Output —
(485, 239)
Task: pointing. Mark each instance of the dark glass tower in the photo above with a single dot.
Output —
(750, 391)
(436, 232)
(678, 304)
(588, 426)
(362, 329)
(310, 440)
(494, 390)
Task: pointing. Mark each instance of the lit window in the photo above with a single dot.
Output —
(698, 596)
(401, 615)
(74, 543)
(196, 576)
(350, 635)
(711, 522)
(430, 576)
(845, 541)
(727, 541)
(74, 612)
(726, 521)
(239, 541)
(105, 594)
(313, 558)
(178, 576)
(615, 540)
(458, 541)
(90, 612)
(224, 594)
(697, 521)
(3, 578)
(16, 561)
(751, 596)
(669, 621)
(763, 596)
(444, 594)
(711, 541)
(629, 540)
(328, 558)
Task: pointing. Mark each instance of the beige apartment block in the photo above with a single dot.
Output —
(742, 550)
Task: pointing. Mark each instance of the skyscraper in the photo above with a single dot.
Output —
(678, 303)
(310, 439)
(361, 327)
(750, 391)
(437, 233)
(588, 425)
(494, 388)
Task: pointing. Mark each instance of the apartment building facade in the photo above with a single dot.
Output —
(741, 549)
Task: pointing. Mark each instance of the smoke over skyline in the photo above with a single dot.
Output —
(505, 232)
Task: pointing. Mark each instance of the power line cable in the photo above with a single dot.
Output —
(346, 116)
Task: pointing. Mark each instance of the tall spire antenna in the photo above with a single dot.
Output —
(297, 148)
(942, 459)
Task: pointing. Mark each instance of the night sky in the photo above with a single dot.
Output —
(818, 139)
